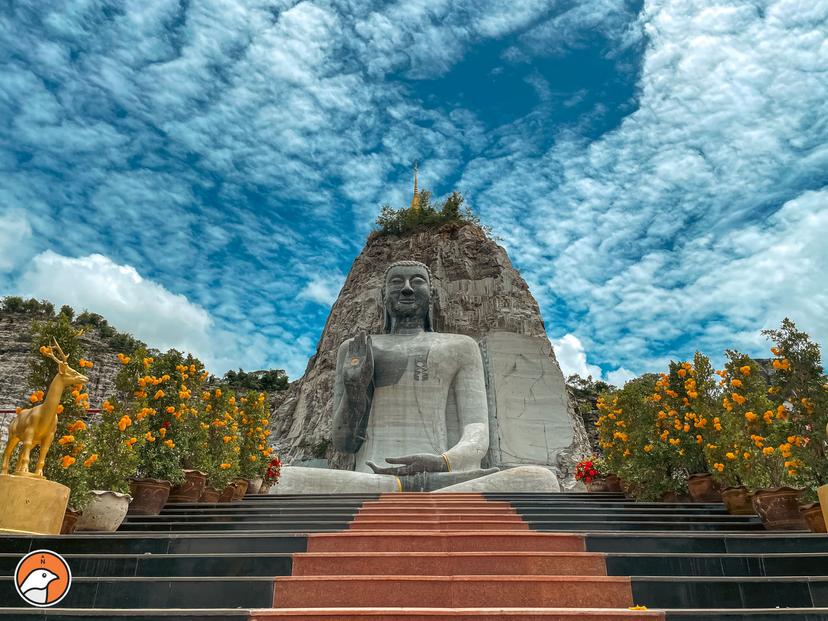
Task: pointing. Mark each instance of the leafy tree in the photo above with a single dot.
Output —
(403, 221)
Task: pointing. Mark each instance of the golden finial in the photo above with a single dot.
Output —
(415, 200)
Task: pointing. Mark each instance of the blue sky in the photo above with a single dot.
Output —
(203, 173)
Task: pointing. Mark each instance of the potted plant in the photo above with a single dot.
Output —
(587, 472)
(254, 417)
(797, 388)
(221, 442)
(272, 474)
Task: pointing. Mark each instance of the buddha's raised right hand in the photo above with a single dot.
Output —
(359, 363)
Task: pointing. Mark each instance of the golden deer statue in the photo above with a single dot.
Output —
(37, 425)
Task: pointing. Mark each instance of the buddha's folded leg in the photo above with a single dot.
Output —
(519, 479)
(298, 480)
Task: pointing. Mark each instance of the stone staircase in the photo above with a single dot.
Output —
(418, 557)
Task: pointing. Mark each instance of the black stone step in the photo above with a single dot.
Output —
(148, 592)
(587, 525)
(730, 592)
(158, 543)
(762, 542)
(735, 565)
(751, 614)
(125, 565)
(86, 614)
(287, 526)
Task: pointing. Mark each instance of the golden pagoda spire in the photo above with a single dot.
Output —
(415, 200)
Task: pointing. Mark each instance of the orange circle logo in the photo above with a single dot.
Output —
(42, 578)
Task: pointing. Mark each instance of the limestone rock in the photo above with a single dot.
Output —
(477, 292)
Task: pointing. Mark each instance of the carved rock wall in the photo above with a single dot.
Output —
(477, 292)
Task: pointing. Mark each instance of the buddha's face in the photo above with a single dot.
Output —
(407, 291)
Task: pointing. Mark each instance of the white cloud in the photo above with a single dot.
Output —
(620, 376)
(323, 289)
(15, 232)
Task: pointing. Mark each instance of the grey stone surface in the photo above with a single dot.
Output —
(531, 418)
(520, 479)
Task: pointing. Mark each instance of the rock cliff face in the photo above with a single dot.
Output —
(15, 354)
(477, 292)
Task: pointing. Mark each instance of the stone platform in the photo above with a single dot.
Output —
(418, 557)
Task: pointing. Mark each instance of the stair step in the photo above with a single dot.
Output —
(445, 541)
(449, 614)
(451, 563)
(438, 524)
(453, 591)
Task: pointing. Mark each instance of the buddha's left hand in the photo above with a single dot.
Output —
(411, 464)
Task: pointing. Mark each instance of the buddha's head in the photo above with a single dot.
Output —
(406, 294)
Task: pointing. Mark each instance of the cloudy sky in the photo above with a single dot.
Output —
(203, 173)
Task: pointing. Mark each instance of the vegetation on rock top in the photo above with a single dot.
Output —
(427, 215)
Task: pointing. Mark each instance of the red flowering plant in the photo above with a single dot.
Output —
(274, 471)
(586, 471)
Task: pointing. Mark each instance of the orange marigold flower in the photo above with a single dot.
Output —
(66, 440)
(718, 467)
(106, 405)
(67, 461)
(169, 443)
(91, 460)
(125, 422)
(738, 398)
(170, 409)
(149, 437)
(60, 408)
(78, 425)
(768, 450)
(745, 370)
(224, 466)
(131, 441)
(751, 416)
(162, 432)
(158, 394)
(736, 383)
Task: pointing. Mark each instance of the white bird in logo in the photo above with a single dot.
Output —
(36, 585)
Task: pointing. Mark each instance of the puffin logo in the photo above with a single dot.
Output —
(42, 578)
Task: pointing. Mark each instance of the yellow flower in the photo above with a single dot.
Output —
(91, 460)
(768, 450)
(224, 466)
(169, 443)
(78, 425)
(170, 409)
(227, 439)
(131, 441)
(736, 383)
(750, 416)
(730, 455)
(647, 448)
(125, 422)
(218, 393)
(123, 359)
(67, 461)
(162, 432)
(738, 398)
(718, 467)
(158, 394)
(149, 436)
(745, 455)
(252, 458)
(745, 370)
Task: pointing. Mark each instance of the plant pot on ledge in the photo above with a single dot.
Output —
(779, 508)
(702, 488)
(105, 513)
(191, 489)
(210, 495)
(241, 488)
(597, 485)
(227, 493)
(613, 483)
(70, 519)
(148, 496)
(737, 500)
(812, 512)
(255, 486)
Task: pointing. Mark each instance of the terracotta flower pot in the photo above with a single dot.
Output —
(227, 493)
(241, 488)
(812, 512)
(613, 483)
(105, 513)
(737, 501)
(597, 485)
(191, 489)
(70, 518)
(148, 496)
(779, 508)
(702, 488)
(255, 486)
(210, 494)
